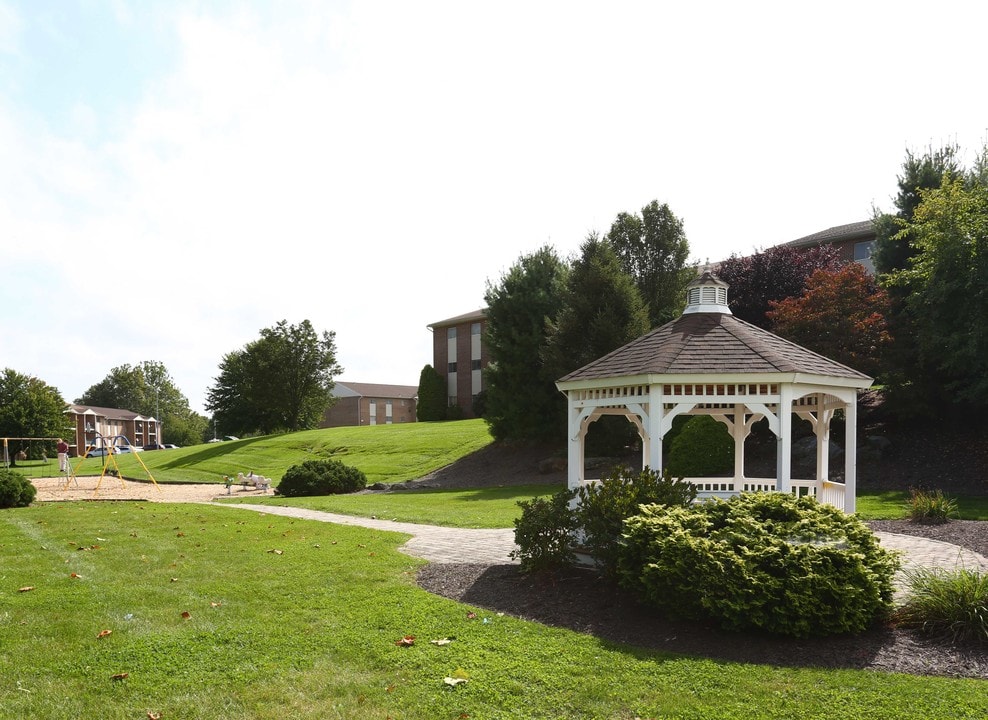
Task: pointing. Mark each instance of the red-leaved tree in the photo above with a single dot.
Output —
(772, 275)
(841, 316)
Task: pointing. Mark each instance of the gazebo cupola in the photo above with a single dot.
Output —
(707, 293)
(708, 362)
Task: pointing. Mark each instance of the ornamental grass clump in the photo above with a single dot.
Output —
(946, 604)
(760, 561)
(931, 507)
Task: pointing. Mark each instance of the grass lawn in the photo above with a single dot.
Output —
(498, 507)
(385, 453)
(292, 618)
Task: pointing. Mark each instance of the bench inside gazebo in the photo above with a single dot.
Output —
(710, 362)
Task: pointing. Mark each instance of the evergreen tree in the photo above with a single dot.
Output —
(432, 401)
(521, 399)
(602, 312)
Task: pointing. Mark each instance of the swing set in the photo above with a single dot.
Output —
(108, 444)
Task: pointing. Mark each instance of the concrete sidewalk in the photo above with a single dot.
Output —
(459, 545)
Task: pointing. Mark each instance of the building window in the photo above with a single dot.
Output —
(862, 254)
(475, 364)
(475, 329)
(451, 401)
(451, 367)
(451, 333)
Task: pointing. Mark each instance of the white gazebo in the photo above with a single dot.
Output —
(710, 362)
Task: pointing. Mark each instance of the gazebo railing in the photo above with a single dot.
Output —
(825, 491)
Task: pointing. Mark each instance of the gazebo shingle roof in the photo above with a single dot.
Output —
(711, 343)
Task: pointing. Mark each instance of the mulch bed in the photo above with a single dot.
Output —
(580, 601)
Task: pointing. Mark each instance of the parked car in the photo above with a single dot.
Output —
(128, 448)
(102, 452)
(169, 446)
(154, 446)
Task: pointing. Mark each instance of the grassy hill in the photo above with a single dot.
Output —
(385, 453)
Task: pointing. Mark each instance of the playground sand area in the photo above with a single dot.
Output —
(93, 487)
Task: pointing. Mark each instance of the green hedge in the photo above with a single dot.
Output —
(15, 489)
(766, 561)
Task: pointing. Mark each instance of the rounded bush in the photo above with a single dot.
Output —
(703, 448)
(15, 489)
(544, 533)
(321, 477)
(767, 561)
(604, 506)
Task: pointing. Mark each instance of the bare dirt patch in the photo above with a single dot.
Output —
(113, 488)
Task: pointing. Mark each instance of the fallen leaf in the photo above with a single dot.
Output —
(103, 633)
(453, 682)
(471, 616)
(181, 534)
(26, 588)
(406, 641)
(154, 715)
(277, 552)
(186, 614)
(174, 580)
(120, 676)
(443, 641)
(215, 604)
(74, 575)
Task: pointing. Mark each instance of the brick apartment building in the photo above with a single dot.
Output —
(460, 356)
(371, 404)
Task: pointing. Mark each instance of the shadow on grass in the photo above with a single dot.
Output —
(580, 600)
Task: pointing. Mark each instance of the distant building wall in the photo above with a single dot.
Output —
(459, 355)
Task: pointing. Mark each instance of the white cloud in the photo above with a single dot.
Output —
(369, 167)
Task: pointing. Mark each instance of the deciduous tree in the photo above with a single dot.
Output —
(841, 316)
(147, 388)
(653, 250)
(29, 407)
(946, 291)
(771, 275)
(282, 381)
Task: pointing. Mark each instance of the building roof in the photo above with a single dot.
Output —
(715, 344)
(350, 389)
(474, 316)
(838, 233)
(109, 413)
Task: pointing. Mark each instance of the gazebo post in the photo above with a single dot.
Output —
(574, 449)
(850, 453)
(656, 409)
(784, 456)
(740, 432)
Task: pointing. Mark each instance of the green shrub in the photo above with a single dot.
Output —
(930, 507)
(544, 533)
(702, 448)
(321, 477)
(15, 489)
(604, 507)
(766, 561)
(946, 604)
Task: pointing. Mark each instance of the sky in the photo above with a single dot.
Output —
(176, 176)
